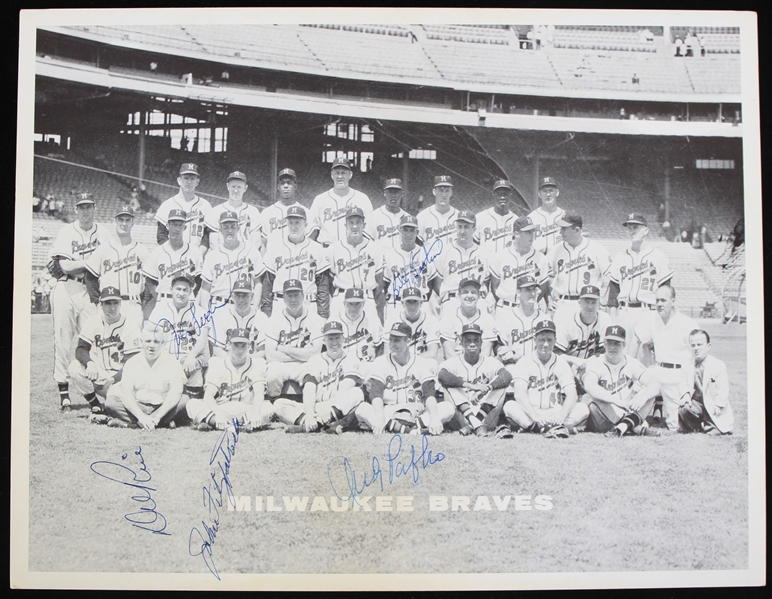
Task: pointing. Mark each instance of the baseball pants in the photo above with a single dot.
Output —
(199, 411)
(84, 385)
(610, 415)
(70, 308)
(404, 413)
(514, 412)
(289, 411)
(281, 372)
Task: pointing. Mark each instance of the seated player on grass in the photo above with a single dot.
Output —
(402, 396)
(234, 390)
(475, 384)
(620, 390)
(545, 393)
(332, 388)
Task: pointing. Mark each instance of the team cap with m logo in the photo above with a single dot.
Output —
(355, 294)
(392, 184)
(238, 175)
(296, 211)
(229, 216)
(189, 168)
(547, 182)
(287, 172)
(84, 198)
(177, 214)
(443, 180)
(109, 293)
(615, 332)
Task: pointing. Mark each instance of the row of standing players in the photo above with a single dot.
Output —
(518, 284)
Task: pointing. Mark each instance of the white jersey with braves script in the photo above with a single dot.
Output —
(225, 320)
(356, 266)
(302, 261)
(235, 383)
(548, 233)
(294, 331)
(328, 373)
(573, 268)
(453, 321)
(110, 342)
(580, 340)
(360, 336)
(495, 230)
(509, 265)
(402, 384)
(621, 380)
(328, 211)
(119, 266)
(640, 274)
(456, 263)
(425, 330)
(223, 267)
(274, 221)
(73, 243)
(250, 221)
(196, 211)
(483, 372)
(180, 327)
(547, 383)
(517, 330)
(383, 226)
(164, 263)
(433, 225)
(411, 268)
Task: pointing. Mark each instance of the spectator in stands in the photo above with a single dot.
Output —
(36, 203)
(690, 42)
(134, 202)
(679, 47)
(60, 209)
(636, 79)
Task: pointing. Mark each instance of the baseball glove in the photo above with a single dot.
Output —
(54, 268)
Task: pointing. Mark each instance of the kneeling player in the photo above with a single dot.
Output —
(545, 393)
(331, 388)
(402, 396)
(234, 390)
(621, 390)
(475, 384)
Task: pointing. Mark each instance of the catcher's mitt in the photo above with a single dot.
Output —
(54, 268)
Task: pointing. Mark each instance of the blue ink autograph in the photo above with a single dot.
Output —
(413, 274)
(198, 324)
(148, 517)
(200, 543)
(356, 485)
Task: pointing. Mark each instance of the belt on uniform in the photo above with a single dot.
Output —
(222, 300)
(637, 305)
(669, 365)
(569, 297)
(449, 295)
(310, 297)
(502, 302)
(130, 297)
(165, 295)
(71, 278)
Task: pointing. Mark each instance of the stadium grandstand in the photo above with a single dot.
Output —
(639, 118)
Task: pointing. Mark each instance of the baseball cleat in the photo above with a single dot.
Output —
(99, 419)
(557, 432)
(504, 432)
(117, 423)
(480, 431)
(295, 429)
(465, 430)
(203, 426)
(66, 405)
(645, 431)
(334, 430)
(97, 409)
(172, 425)
(613, 433)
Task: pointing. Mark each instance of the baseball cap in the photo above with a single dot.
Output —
(287, 172)
(400, 329)
(292, 285)
(125, 211)
(467, 216)
(471, 327)
(635, 219)
(524, 223)
(354, 211)
(84, 198)
(242, 286)
(229, 216)
(341, 162)
(296, 211)
(499, 183)
(183, 276)
(239, 334)
(441, 180)
(590, 291)
(569, 219)
(392, 184)
(177, 214)
(410, 293)
(547, 181)
(469, 281)
(408, 220)
(544, 325)
(237, 175)
(332, 327)
(355, 294)
(109, 293)
(527, 281)
(615, 332)
(189, 169)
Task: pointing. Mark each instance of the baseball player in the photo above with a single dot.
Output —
(150, 394)
(424, 327)
(250, 221)
(357, 262)
(241, 314)
(71, 302)
(544, 390)
(177, 321)
(332, 386)
(106, 341)
(194, 207)
(635, 275)
(709, 410)
(328, 210)
(620, 390)
(235, 390)
(383, 224)
(168, 260)
(516, 326)
(667, 331)
(275, 216)
(461, 258)
(468, 312)
(574, 263)
(224, 265)
(361, 336)
(402, 396)
(476, 384)
(296, 256)
(118, 263)
(519, 259)
(438, 221)
(494, 225)
(545, 217)
(292, 337)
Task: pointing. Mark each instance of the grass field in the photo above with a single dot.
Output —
(677, 502)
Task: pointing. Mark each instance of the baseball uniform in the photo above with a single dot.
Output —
(454, 320)
(222, 267)
(404, 387)
(571, 268)
(580, 340)
(483, 372)
(516, 330)
(328, 213)
(225, 320)
(164, 263)
(250, 221)
(356, 266)
(274, 222)
(383, 226)
(548, 233)
(508, 265)
(455, 263)
(411, 268)
(433, 225)
(361, 336)
(425, 330)
(196, 212)
(622, 380)
(495, 230)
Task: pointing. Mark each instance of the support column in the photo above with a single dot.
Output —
(405, 184)
(274, 163)
(141, 168)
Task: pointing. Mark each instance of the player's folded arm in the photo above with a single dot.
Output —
(323, 287)
(502, 380)
(592, 387)
(162, 233)
(449, 380)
